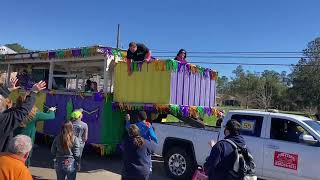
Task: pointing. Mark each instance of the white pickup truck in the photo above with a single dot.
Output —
(284, 146)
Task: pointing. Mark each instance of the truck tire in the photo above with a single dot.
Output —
(178, 164)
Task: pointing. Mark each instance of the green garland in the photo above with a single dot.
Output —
(85, 52)
(135, 67)
(116, 52)
(60, 54)
(200, 111)
(172, 65)
(175, 109)
(69, 108)
(201, 70)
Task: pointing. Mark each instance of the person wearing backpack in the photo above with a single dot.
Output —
(229, 158)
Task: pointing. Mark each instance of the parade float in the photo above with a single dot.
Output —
(164, 86)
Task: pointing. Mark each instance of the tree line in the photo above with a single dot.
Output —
(298, 90)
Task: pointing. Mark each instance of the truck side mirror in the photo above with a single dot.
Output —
(307, 139)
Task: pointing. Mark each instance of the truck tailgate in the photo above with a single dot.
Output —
(198, 137)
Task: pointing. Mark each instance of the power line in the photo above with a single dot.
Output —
(239, 55)
(251, 64)
(237, 63)
(235, 52)
(247, 57)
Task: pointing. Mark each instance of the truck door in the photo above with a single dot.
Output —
(286, 156)
(252, 129)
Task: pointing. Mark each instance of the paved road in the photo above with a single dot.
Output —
(93, 166)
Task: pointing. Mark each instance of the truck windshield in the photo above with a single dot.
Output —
(315, 125)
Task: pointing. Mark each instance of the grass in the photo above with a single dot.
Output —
(210, 121)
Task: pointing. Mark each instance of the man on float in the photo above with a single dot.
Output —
(138, 52)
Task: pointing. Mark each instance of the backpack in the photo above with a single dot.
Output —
(244, 164)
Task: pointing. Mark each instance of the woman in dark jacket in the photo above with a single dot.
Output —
(11, 118)
(136, 155)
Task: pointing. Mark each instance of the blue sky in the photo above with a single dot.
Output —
(203, 25)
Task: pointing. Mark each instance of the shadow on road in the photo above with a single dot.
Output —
(39, 178)
(91, 162)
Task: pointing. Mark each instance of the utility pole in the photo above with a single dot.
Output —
(118, 37)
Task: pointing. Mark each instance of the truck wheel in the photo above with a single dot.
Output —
(178, 164)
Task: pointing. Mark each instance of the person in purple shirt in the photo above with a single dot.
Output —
(181, 56)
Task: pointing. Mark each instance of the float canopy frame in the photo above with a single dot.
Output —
(74, 67)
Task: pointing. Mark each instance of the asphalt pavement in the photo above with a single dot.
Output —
(94, 167)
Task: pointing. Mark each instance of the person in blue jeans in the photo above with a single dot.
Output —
(66, 149)
(146, 130)
(80, 129)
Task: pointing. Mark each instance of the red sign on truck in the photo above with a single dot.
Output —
(286, 160)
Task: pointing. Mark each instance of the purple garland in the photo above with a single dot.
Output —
(208, 111)
(185, 111)
(149, 107)
(206, 72)
(140, 66)
(181, 66)
(52, 54)
(106, 50)
(76, 52)
(188, 68)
